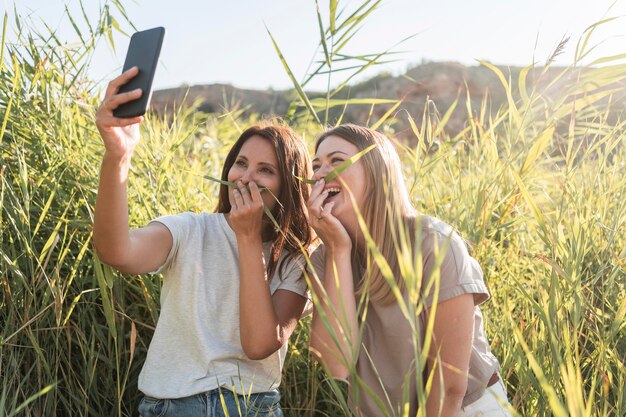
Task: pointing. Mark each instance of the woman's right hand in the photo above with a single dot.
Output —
(325, 224)
(120, 135)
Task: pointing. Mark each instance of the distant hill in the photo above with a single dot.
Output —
(442, 82)
(215, 98)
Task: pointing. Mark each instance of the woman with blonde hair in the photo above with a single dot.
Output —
(384, 274)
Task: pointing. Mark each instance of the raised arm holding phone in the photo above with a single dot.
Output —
(233, 287)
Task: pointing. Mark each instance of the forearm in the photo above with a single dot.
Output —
(336, 346)
(449, 354)
(111, 232)
(260, 331)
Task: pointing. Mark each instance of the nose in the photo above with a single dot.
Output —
(246, 176)
(321, 172)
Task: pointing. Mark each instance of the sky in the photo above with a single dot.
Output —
(211, 41)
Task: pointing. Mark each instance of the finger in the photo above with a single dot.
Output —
(120, 80)
(255, 193)
(326, 214)
(317, 189)
(237, 199)
(113, 102)
(316, 204)
(245, 193)
(328, 210)
(112, 121)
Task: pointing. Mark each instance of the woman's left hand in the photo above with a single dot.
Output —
(246, 213)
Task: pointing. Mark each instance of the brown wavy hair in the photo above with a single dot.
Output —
(293, 231)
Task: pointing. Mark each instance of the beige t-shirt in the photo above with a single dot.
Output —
(386, 364)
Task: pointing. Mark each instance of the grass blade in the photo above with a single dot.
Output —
(295, 83)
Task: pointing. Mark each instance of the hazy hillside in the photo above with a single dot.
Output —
(442, 82)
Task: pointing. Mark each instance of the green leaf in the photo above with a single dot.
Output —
(2, 42)
(7, 112)
(523, 74)
(347, 164)
(514, 113)
(386, 116)
(322, 102)
(327, 57)
(339, 168)
(295, 83)
(333, 15)
(33, 397)
(226, 183)
(539, 145)
(107, 303)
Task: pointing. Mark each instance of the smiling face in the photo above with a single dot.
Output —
(332, 151)
(257, 161)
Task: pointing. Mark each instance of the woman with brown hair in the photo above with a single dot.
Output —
(386, 273)
(233, 287)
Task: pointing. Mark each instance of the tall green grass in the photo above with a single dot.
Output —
(537, 187)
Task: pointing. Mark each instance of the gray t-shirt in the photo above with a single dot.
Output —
(386, 363)
(196, 345)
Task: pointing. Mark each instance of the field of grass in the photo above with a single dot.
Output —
(538, 187)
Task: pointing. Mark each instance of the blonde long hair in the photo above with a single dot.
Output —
(386, 209)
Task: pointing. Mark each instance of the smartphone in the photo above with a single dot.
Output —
(143, 52)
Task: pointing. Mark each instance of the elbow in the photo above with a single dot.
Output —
(257, 351)
(257, 354)
(316, 349)
(109, 260)
(112, 256)
(456, 391)
(333, 367)
(112, 259)
(104, 256)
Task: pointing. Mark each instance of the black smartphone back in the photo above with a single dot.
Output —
(143, 52)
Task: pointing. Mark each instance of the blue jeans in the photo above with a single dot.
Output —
(219, 402)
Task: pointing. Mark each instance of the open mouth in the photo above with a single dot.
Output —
(332, 191)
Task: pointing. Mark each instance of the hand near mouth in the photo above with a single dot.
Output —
(246, 213)
(321, 218)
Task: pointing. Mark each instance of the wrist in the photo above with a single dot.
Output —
(248, 238)
(122, 160)
(336, 251)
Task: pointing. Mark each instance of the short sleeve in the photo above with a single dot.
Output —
(179, 226)
(318, 259)
(459, 273)
(314, 270)
(290, 276)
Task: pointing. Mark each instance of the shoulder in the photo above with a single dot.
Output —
(188, 225)
(318, 258)
(302, 261)
(437, 236)
(290, 273)
(446, 252)
(189, 219)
